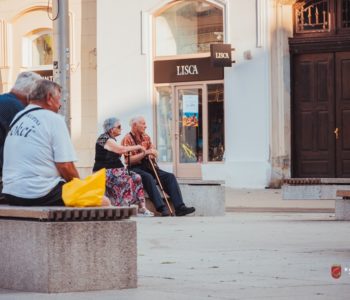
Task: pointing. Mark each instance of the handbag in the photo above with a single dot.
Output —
(86, 192)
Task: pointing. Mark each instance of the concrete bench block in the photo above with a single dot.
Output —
(311, 192)
(342, 209)
(54, 257)
(209, 200)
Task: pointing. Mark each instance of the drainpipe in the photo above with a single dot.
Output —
(61, 54)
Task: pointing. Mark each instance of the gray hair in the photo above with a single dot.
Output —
(24, 82)
(109, 123)
(43, 87)
(135, 120)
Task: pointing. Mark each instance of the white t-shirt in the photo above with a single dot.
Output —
(32, 147)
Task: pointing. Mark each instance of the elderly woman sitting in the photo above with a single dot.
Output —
(122, 187)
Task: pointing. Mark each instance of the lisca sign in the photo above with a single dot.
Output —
(186, 70)
(221, 55)
(195, 69)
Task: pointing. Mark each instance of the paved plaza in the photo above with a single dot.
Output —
(243, 255)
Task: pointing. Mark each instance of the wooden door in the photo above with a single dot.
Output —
(342, 114)
(313, 115)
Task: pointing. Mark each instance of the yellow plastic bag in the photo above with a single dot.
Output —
(86, 192)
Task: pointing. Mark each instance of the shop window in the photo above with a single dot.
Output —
(190, 125)
(216, 142)
(188, 27)
(164, 115)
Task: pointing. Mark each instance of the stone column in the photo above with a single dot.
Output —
(281, 28)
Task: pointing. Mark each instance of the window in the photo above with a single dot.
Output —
(164, 116)
(38, 50)
(320, 17)
(188, 27)
(312, 16)
(42, 50)
(216, 142)
(345, 14)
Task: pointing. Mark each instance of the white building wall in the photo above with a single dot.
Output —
(125, 82)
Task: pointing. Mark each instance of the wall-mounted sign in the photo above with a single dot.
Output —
(185, 70)
(221, 55)
(46, 74)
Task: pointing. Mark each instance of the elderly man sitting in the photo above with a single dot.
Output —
(138, 136)
(39, 155)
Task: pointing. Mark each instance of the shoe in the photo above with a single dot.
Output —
(165, 212)
(184, 210)
(145, 213)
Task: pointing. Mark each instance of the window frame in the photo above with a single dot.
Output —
(27, 50)
(189, 55)
(341, 30)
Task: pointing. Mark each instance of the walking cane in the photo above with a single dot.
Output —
(161, 187)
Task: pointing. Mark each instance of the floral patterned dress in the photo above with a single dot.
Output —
(122, 189)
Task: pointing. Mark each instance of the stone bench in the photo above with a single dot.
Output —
(207, 196)
(342, 206)
(62, 249)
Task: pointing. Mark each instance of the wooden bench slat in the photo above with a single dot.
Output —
(67, 213)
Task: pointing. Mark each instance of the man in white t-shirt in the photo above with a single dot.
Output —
(38, 155)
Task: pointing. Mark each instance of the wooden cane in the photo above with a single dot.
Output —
(161, 187)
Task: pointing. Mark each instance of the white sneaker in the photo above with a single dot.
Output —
(145, 213)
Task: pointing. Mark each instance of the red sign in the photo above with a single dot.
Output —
(336, 271)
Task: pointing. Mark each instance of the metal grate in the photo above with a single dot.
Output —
(302, 181)
(312, 16)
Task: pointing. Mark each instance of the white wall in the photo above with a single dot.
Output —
(125, 82)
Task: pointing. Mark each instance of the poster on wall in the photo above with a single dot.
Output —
(190, 111)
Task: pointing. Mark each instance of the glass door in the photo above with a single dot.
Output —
(189, 131)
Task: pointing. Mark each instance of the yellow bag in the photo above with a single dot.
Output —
(86, 192)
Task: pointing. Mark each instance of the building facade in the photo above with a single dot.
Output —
(272, 114)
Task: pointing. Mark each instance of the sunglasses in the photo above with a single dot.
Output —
(118, 127)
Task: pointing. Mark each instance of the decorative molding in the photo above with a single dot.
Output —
(286, 2)
(319, 44)
(260, 23)
(3, 44)
(145, 32)
(29, 10)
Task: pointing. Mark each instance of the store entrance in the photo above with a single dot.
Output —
(189, 131)
(190, 126)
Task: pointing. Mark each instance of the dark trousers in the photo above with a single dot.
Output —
(54, 198)
(169, 183)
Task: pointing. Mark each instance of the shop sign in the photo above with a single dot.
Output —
(46, 74)
(221, 55)
(185, 70)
